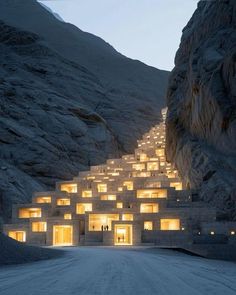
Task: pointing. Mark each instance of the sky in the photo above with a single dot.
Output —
(147, 30)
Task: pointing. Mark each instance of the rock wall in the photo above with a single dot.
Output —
(201, 99)
(68, 100)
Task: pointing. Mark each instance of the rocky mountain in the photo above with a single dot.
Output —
(201, 130)
(68, 100)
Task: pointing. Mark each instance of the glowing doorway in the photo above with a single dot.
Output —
(62, 235)
(123, 234)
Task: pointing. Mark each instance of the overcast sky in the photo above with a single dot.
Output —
(148, 30)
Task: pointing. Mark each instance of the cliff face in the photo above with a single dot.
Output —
(68, 100)
(201, 99)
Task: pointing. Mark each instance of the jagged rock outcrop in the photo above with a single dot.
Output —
(68, 100)
(201, 123)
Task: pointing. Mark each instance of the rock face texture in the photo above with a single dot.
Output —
(201, 123)
(68, 100)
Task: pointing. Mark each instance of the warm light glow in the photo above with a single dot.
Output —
(102, 188)
(97, 221)
(69, 188)
(143, 157)
(29, 212)
(148, 225)
(154, 184)
(39, 226)
(212, 233)
(120, 189)
(41, 200)
(87, 194)
(119, 205)
(152, 166)
(148, 208)
(129, 185)
(138, 167)
(67, 216)
(170, 224)
(160, 152)
(62, 235)
(152, 193)
(108, 197)
(232, 232)
(18, 235)
(63, 202)
(176, 185)
(123, 234)
(141, 174)
(81, 208)
(127, 217)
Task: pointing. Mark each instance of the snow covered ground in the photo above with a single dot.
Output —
(90, 270)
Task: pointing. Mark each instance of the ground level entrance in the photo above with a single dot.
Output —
(123, 234)
(62, 235)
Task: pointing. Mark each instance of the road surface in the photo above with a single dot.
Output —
(112, 271)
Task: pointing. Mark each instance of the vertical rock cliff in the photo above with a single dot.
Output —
(201, 99)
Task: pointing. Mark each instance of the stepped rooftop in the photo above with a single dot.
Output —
(138, 199)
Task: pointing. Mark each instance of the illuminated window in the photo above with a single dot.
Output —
(119, 205)
(108, 197)
(120, 189)
(160, 152)
(149, 208)
(154, 184)
(87, 194)
(141, 174)
(143, 157)
(70, 188)
(63, 202)
(97, 222)
(18, 235)
(176, 185)
(39, 226)
(41, 200)
(148, 225)
(152, 193)
(170, 224)
(138, 166)
(129, 185)
(102, 188)
(81, 208)
(152, 166)
(30, 212)
(67, 216)
(127, 217)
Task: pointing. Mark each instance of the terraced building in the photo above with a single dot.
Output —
(138, 199)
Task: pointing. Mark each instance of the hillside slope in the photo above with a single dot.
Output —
(68, 101)
(201, 130)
